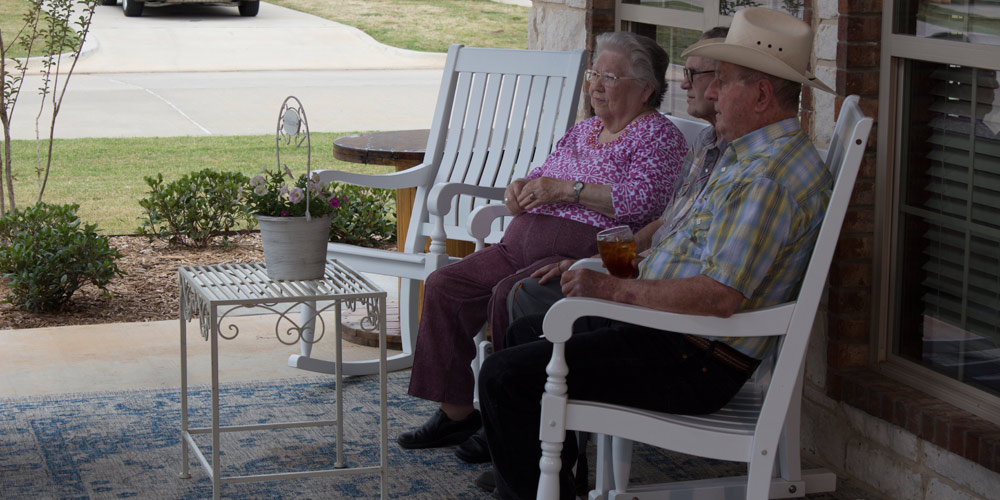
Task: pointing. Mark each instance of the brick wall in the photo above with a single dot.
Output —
(851, 275)
(858, 47)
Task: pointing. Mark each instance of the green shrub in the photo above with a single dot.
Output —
(365, 217)
(195, 208)
(46, 256)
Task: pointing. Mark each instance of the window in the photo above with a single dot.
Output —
(944, 285)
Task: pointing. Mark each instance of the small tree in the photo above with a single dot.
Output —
(49, 29)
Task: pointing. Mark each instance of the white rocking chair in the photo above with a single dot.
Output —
(760, 426)
(498, 115)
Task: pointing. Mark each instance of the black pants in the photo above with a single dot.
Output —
(528, 298)
(608, 361)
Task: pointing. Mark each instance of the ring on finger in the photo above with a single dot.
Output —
(531, 196)
(506, 200)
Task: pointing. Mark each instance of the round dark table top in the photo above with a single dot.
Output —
(400, 148)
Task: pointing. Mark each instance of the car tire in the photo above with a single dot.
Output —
(108, 2)
(249, 9)
(132, 8)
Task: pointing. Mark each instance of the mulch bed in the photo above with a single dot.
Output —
(148, 292)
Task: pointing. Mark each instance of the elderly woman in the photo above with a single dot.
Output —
(616, 168)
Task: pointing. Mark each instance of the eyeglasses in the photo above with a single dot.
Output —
(609, 79)
(689, 74)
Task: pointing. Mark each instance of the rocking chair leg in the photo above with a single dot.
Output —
(621, 461)
(604, 482)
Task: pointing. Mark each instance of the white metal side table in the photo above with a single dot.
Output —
(214, 292)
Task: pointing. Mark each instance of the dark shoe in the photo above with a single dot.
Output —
(439, 430)
(474, 450)
(487, 481)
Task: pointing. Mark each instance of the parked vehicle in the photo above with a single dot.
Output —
(133, 8)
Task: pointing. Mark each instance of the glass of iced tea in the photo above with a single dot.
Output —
(617, 248)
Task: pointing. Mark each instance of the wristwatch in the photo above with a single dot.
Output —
(577, 187)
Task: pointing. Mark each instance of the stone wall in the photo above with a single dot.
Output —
(887, 459)
(558, 25)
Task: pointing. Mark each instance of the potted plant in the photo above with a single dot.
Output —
(294, 218)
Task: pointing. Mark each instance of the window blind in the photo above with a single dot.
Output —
(956, 196)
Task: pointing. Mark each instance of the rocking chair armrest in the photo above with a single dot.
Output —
(419, 175)
(481, 219)
(441, 195)
(439, 202)
(558, 322)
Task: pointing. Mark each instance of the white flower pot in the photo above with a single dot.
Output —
(294, 249)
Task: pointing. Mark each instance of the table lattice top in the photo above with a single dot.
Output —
(241, 283)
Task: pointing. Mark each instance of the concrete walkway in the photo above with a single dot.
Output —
(190, 38)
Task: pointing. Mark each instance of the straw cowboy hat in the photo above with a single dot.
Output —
(768, 41)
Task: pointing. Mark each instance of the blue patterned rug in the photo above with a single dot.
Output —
(127, 445)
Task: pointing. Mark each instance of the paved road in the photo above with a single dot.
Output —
(204, 70)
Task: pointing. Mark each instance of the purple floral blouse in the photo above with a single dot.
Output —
(642, 166)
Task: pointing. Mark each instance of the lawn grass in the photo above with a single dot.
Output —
(106, 176)
(427, 25)
(11, 25)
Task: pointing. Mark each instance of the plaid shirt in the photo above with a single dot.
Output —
(754, 226)
(706, 153)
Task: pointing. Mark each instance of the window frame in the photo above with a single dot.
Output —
(895, 50)
(708, 18)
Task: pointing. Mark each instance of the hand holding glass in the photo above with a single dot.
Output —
(617, 248)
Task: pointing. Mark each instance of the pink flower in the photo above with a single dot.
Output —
(334, 202)
(284, 213)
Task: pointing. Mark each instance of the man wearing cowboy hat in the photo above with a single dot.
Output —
(744, 245)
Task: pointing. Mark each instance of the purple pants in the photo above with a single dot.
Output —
(461, 297)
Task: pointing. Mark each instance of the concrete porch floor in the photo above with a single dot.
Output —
(122, 356)
(125, 356)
